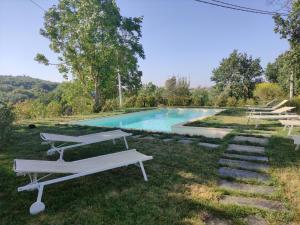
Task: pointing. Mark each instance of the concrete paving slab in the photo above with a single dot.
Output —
(244, 164)
(242, 174)
(254, 140)
(208, 145)
(252, 202)
(246, 149)
(246, 157)
(247, 188)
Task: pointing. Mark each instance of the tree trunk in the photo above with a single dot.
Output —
(291, 85)
(97, 99)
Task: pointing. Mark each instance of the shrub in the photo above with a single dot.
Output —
(231, 101)
(200, 97)
(296, 103)
(129, 102)
(110, 105)
(266, 92)
(30, 109)
(54, 109)
(7, 118)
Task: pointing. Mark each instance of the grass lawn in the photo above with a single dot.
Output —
(182, 186)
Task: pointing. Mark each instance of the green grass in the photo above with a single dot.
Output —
(182, 186)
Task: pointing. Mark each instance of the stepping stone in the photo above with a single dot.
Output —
(252, 202)
(242, 174)
(217, 221)
(246, 149)
(185, 141)
(167, 139)
(247, 188)
(208, 145)
(243, 164)
(136, 136)
(255, 220)
(246, 157)
(255, 140)
(148, 138)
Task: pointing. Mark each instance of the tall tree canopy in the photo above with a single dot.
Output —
(237, 75)
(94, 42)
(289, 28)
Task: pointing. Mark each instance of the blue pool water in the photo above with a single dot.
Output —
(153, 120)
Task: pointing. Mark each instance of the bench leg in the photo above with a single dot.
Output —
(290, 130)
(38, 206)
(126, 144)
(143, 171)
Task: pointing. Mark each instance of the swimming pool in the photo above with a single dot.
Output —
(160, 120)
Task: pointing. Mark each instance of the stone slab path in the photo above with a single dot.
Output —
(252, 202)
(247, 188)
(246, 149)
(208, 145)
(244, 164)
(254, 140)
(246, 157)
(242, 174)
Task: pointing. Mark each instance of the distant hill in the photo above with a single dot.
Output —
(14, 89)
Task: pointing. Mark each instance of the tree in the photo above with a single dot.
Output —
(94, 42)
(237, 75)
(271, 72)
(289, 28)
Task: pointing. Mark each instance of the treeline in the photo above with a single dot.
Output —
(15, 89)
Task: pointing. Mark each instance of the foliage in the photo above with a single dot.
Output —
(7, 118)
(237, 74)
(129, 102)
(110, 105)
(94, 42)
(295, 102)
(15, 89)
(54, 109)
(200, 96)
(266, 92)
(231, 101)
(289, 27)
(75, 98)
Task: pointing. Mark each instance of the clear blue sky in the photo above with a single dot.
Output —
(180, 37)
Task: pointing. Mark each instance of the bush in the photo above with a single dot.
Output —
(296, 103)
(266, 92)
(110, 105)
(30, 109)
(231, 101)
(129, 102)
(7, 118)
(54, 109)
(200, 97)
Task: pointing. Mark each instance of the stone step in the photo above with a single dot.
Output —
(246, 157)
(242, 174)
(252, 202)
(255, 220)
(185, 141)
(247, 188)
(246, 149)
(254, 140)
(167, 139)
(243, 165)
(208, 145)
(148, 138)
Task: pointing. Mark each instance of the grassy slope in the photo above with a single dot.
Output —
(182, 187)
